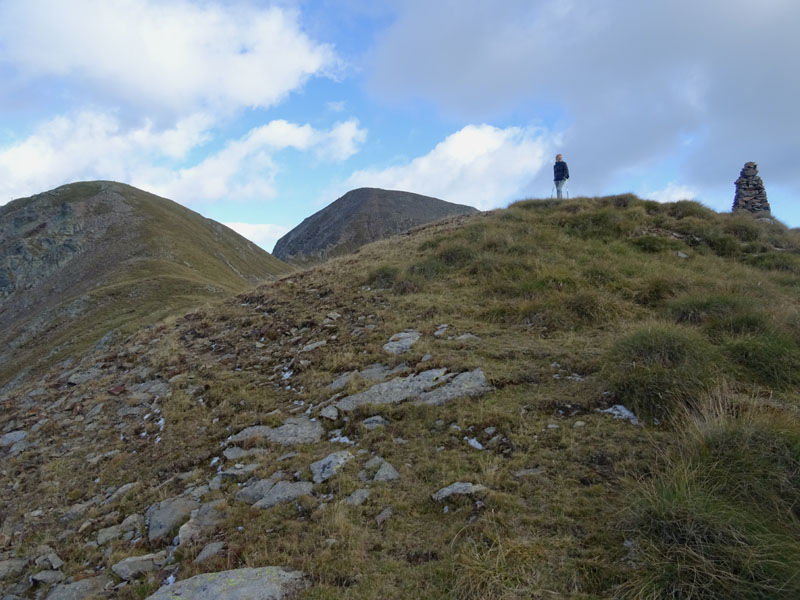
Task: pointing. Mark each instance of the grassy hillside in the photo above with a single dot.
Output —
(687, 317)
(150, 258)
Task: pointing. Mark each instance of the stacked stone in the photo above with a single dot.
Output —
(750, 193)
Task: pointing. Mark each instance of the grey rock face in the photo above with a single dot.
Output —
(264, 583)
(296, 430)
(400, 343)
(10, 568)
(85, 588)
(165, 516)
(376, 421)
(284, 491)
(358, 497)
(386, 472)
(750, 193)
(134, 566)
(48, 577)
(12, 437)
(209, 551)
(457, 488)
(324, 469)
(434, 387)
(203, 522)
(253, 492)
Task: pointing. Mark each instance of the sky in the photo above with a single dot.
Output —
(258, 114)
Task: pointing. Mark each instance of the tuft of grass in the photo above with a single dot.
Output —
(695, 310)
(660, 368)
(382, 277)
(720, 520)
(768, 358)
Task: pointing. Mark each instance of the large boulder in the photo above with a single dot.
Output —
(264, 583)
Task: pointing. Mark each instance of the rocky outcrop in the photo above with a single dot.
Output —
(359, 217)
(265, 583)
(750, 193)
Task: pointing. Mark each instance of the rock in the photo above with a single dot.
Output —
(134, 566)
(386, 472)
(240, 472)
(165, 516)
(123, 489)
(296, 430)
(358, 497)
(579, 424)
(401, 343)
(375, 421)
(467, 337)
(750, 193)
(11, 568)
(85, 588)
(108, 534)
(202, 523)
(284, 491)
(209, 551)
(467, 384)
(48, 577)
(441, 330)
(324, 469)
(340, 382)
(12, 437)
(457, 488)
(329, 412)
(264, 583)
(314, 346)
(384, 516)
(253, 492)
(49, 560)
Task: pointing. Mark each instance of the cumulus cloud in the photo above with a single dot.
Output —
(262, 234)
(672, 193)
(172, 56)
(96, 145)
(480, 165)
(629, 82)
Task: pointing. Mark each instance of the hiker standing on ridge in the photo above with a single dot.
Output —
(560, 173)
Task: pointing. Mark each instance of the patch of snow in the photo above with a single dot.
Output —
(620, 412)
(169, 580)
(214, 461)
(286, 374)
(336, 436)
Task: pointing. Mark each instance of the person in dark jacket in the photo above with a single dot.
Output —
(560, 173)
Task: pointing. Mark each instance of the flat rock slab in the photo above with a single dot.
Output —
(296, 430)
(11, 568)
(203, 522)
(85, 588)
(284, 491)
(432, 387)
(209, 551)
(264, 583)
(358, 497)
(134, 566)
(165, 516)
(401, 343)
(324, 469)
(255, 491)
(458, 488)
(12, 437)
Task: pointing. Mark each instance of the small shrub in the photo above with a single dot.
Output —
(589, 308)
(654, 244)
(431, 244)
(699, 309)
(657, 369)
(428, 268)
(689, 208)
(603, 224)
(723, 244)
(775, 261)
(772, 359)
(456, 256)
(657, 290)
(740, 323)
(743, 228)
(382, 277)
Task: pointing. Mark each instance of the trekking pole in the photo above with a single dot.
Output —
(566, 185)
(552, 190)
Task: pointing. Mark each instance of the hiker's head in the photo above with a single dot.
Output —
(559, 158)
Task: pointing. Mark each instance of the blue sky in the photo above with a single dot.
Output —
(257, 114)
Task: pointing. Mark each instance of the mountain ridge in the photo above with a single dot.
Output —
(359, 217)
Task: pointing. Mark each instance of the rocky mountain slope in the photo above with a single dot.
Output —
(594, 398)
(86, 259)
(359, 217)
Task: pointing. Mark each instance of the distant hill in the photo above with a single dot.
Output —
(84, 259)
(359, 217)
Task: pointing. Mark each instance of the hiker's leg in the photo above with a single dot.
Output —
(559, 186)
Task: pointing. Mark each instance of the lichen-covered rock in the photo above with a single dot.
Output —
(324, 469)
(400, 343)
(165, 516)
(264, 583)
(284, 491)
(458, 488)
(296, 430)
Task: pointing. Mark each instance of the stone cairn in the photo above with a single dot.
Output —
(750, 193)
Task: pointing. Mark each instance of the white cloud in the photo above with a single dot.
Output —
(480, 165)
(262, 234)
(672, 193)
(628, 81)
(176, 55)
(95, 145)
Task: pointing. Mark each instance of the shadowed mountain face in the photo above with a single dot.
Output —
(87, 258)
(359, 217)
